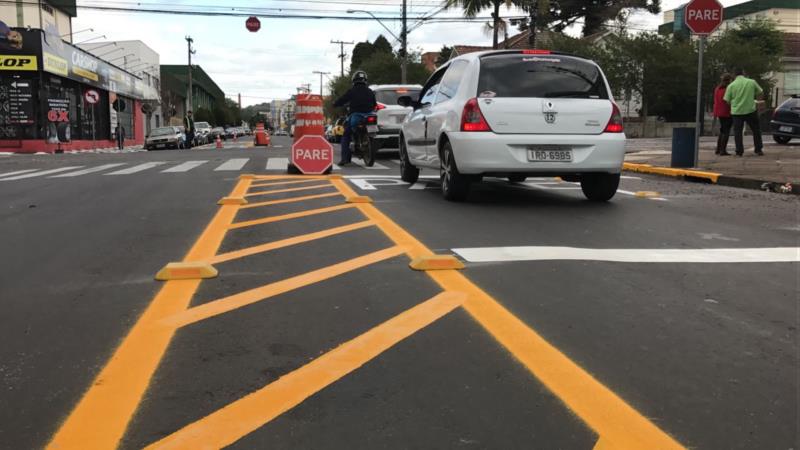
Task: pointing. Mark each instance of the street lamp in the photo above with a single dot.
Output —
(403, 38)
(353, 11)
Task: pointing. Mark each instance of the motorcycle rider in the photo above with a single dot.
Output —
(361, 101)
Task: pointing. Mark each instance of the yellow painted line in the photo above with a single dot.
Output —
(602, 444)
(101, 416)
(282, 183)
(280, 191)
(295, 215)
(601, 409)
(288, 242)
(291, 200)
(236, 301)
(671, 172)
(229, 424)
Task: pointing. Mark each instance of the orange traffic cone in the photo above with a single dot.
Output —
(219, 142)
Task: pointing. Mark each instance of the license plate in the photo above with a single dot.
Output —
(785, 129)
(372, 128)
(544, 154)
(161, 145)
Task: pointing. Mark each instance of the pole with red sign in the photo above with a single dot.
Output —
(253, 24)
(702, 17)
(312, 155)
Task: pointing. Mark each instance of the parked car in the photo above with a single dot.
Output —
(514, 114)
(165, 137)
(202, 131)
(785, 121)
(390, 114)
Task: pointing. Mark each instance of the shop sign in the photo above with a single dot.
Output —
(54, 64)
(58, 125)
(19, 62)
(16, 102)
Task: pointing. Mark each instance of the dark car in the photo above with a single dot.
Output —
(785, 121)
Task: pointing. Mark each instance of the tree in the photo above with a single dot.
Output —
(381, 45)
(203, 115)
(361, 52)
(444, 55)
(473, 7)
(594, 14)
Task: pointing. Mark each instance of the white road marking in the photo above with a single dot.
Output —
(233, 164)
(655, 255)
(277, 163)
(363, 184)
(139, 168)
(397, 161)
(376, 166)
(41, 173)
(8, 174)
(89, 170)
(627, 177)
(185, 167)
(419, 185)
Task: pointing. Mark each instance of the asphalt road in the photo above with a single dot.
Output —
(329, 340)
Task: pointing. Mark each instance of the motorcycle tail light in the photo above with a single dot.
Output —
(372, 120)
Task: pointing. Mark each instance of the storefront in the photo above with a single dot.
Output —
(57, 97)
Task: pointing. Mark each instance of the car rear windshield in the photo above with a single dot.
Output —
(791, 103)
(162, 132)
(390, 96)
(202, 125)
(544, 76)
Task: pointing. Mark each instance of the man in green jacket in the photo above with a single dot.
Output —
(741, 95)
(188, 125)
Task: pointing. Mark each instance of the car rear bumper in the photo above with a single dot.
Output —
(487, 153)
(792, 131)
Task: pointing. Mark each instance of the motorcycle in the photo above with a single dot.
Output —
(364, 144)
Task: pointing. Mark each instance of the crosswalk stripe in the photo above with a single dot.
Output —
(8, 174)
(376, 166)
(185, 167)
(277, 163)
(139, 168)
(233, 164)
(41, 173)
(89, 170)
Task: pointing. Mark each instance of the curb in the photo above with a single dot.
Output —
(710, 177)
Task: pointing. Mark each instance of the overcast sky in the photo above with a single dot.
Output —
(271, 63)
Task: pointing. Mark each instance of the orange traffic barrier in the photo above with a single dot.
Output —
(262, 136)
(219, 142)
(309, 118)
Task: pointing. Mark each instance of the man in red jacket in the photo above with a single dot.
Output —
(722, 111)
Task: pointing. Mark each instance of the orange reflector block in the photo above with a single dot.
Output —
(359, 199)
(436, 262)
(232, 201)
(186, 271)
(247, 176)
(335, 177)
(647, 194)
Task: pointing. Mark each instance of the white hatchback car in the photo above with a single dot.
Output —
(390, 114)
(514, 114)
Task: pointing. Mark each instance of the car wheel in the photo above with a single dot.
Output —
(455, 186)
(408, 172)
(599, 187)
(516, 178)
(783, 140)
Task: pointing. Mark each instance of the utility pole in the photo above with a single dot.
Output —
(192, 51)
(404, 46)
(342, 54)
(321, 74)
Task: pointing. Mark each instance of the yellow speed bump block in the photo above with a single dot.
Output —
(335, 176)
(436, 262)
(232, 201)
(186, 271)
(359, 199)
(647, 194)
(247, 176)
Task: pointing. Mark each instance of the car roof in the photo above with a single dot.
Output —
(375, 87)
(477, 55)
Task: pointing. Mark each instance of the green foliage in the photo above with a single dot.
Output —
(444, 55)
(361, 52)
(381, 45)
(203, 115)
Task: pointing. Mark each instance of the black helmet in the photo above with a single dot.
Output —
(360, 77)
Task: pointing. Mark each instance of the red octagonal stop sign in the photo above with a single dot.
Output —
(313, 155)
(703, 16)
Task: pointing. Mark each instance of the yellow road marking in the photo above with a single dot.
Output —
(101, 416)
(291, 200)
(236, 301)
(295, 215)
(229, 424)
(282, 183)
(288, 242)
(607, 414)
(280, 191)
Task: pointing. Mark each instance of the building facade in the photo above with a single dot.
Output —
(55, 96)
(52, 16)
(175, 91)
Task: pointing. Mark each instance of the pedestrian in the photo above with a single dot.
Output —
(741, 94)
(722, 111)
(188, 125)
(120, 136)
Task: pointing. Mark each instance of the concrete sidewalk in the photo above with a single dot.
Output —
(779, 165)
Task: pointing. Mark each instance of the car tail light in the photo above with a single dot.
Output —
(372, 120)
(536, 52)
(615, 122)
(472, 119)
(380, 106)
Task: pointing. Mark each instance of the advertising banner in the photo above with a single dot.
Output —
(58, 126)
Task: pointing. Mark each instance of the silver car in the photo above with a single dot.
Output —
(165, 137)
(390, 114)
(514, 114)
